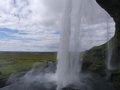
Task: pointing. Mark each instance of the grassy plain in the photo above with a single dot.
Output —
(18, 62)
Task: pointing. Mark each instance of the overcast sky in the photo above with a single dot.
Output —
(34, 25)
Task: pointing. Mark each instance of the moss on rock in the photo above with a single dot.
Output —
(94, 60)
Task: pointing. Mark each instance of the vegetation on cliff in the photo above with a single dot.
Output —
(95, 61)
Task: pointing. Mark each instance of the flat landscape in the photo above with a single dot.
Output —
(18, 62)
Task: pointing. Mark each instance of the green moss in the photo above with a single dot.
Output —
(95, 67)
(96, 58)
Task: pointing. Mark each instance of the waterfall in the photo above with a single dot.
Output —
(81, 17)
(68, 67)
(109, 44)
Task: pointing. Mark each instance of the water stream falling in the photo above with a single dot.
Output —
(80, 19)
(69, 57)
(109, 44)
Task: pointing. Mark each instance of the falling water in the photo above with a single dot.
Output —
(109, 44)
(69, 57)
(80, 16)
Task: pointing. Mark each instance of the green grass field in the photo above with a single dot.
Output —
(21, 62)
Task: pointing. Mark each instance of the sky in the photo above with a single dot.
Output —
(35, 25)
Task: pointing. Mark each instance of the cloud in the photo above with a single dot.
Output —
(35, 22)
(34, 25)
